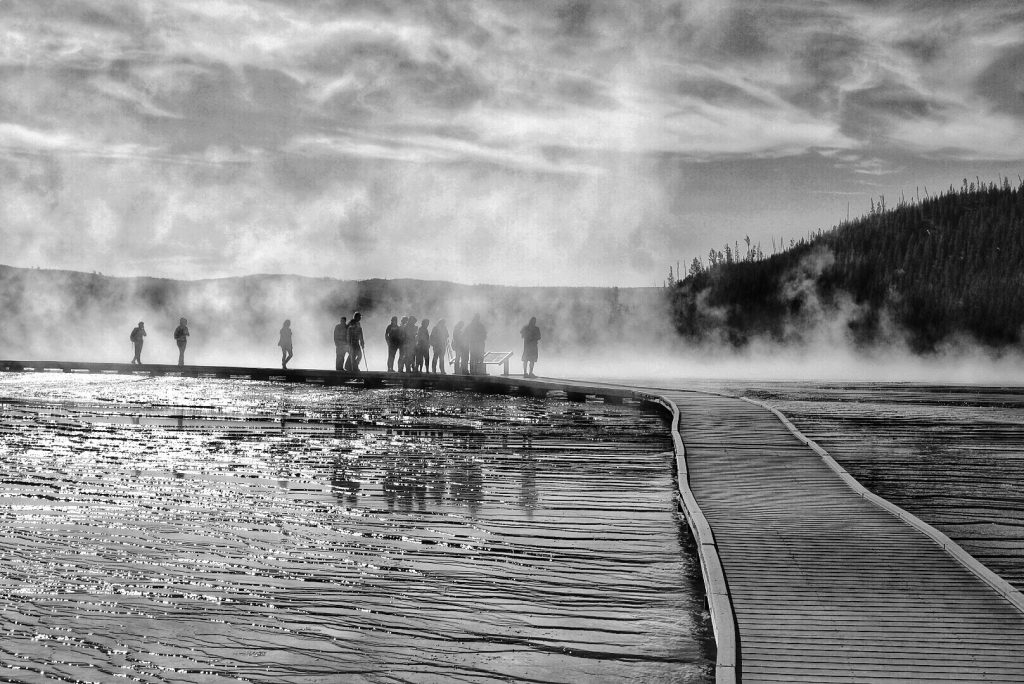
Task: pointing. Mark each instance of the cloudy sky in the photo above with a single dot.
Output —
(502, 141)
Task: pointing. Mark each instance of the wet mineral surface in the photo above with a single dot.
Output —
(182, 530)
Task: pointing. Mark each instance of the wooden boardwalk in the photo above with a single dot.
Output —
(825, 584)
(810, 578)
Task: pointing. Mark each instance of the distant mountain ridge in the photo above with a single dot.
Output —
(927, 273)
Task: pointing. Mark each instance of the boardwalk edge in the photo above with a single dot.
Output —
(723, 618)
(986, 575)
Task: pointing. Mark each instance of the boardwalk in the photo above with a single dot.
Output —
(825, 585)
(810, 578)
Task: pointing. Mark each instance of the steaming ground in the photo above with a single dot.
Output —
(607, 333)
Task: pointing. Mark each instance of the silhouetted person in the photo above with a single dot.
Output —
(439, 343)
(461, 348)
(399, 336)
(531, 337)
(476, 337)
(423, 347)
(355, 342)
(409, 344)
(181, 337)
(138, 333)
(340, 344)
(285, 343)
(393, 337)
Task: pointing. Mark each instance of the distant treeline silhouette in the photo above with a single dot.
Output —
(929, 271)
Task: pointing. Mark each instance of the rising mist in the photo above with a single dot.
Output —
(587, 332)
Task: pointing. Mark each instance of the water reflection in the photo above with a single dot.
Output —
(184, 530)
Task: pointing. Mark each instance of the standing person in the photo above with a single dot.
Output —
(460, 347)
(423, 347)
(355, 342)
(285, 343)
(138, 333)
(399, 336)
(439, 342)
(181, 337)
(531, 336)
(476, 337)
(393, 337)
(409, 344)
(340, 344)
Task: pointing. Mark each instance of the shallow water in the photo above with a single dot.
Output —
(953, 455)
(182, 530)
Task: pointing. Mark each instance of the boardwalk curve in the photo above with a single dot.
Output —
(828, 585)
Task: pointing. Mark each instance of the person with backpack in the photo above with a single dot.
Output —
(138, 333)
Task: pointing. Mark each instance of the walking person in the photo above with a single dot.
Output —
(355, 342)
(341, 349)
(181, 338)
(423, 347)
(460, 348)
(439, 343)
(476, 338)
(393, 338)
(531, 337)
(285, 343)
(137, 335)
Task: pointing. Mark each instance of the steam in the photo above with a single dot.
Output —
(596, 333)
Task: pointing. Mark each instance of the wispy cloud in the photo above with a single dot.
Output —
(256, 122)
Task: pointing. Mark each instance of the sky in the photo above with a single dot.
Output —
(518, 142)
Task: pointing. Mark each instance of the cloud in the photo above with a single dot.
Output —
(250, 134)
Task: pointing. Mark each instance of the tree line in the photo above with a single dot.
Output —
(931, 270)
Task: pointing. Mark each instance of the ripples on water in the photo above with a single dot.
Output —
(951, 455)
(182, 530)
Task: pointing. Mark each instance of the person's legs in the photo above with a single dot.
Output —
(181, 352)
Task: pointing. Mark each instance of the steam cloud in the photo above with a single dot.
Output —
(588, 332)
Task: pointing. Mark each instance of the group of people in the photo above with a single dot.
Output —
(348, 344)
(138, 338)
(416, 348)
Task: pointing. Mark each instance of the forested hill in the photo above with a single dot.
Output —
(927, 273)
